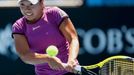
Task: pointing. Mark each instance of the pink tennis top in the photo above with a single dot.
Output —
(43, 33)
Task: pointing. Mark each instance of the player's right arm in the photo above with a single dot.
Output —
(30, 57)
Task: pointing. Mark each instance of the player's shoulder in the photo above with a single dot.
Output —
(52, 9)
(19, 22)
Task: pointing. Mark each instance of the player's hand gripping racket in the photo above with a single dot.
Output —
(115, 65)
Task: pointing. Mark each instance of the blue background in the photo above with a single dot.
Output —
(112, 19)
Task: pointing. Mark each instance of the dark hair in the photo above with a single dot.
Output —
(40, 0)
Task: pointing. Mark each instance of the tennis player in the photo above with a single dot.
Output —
(40, 27)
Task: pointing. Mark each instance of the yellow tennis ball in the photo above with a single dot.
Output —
(52, 50)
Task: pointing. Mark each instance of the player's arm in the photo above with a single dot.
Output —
(30, 57)
(25, 54)
(70, 34)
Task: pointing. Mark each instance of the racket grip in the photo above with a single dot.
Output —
(76, 68)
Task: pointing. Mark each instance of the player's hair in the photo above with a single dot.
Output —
(41, 0)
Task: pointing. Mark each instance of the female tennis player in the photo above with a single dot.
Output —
(40, 27)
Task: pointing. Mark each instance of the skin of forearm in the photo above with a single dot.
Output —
(35, 58)
(74, 49)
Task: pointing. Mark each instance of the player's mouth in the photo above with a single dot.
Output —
(28, 14)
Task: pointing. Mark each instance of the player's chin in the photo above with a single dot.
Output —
(28, 16)
(31, 20)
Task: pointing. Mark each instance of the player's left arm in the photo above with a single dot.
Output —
(69, 31)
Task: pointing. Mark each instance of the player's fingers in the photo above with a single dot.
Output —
(60, 67)
(69, 68)
(52, 66)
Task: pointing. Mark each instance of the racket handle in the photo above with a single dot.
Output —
(76, 68)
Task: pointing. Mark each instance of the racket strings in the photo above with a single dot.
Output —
(118, 67)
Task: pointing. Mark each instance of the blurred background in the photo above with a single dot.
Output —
(105, 28)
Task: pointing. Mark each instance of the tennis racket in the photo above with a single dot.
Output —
(115, 65)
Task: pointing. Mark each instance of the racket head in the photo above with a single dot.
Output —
(115, 65)
(118, 57)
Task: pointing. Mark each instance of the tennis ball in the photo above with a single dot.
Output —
(52, 50)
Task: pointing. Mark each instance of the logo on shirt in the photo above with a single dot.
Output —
(37, 27)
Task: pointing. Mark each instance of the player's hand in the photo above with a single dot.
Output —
(55, 63)
(70, 65)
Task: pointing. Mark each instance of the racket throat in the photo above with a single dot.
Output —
(93, 71)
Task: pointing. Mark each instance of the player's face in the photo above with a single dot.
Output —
(30, 11)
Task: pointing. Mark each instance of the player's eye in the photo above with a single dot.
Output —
(21, 4)
(31, 4)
